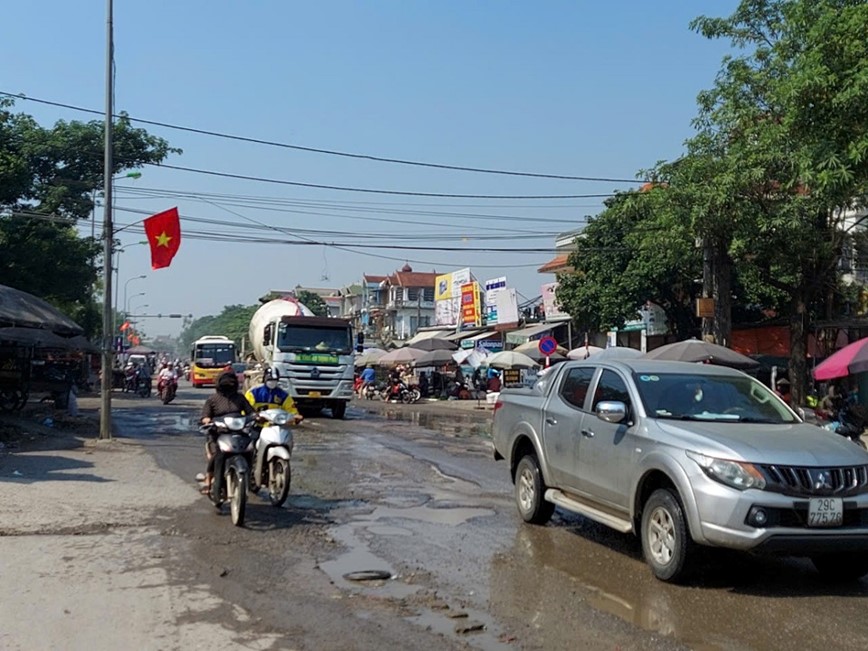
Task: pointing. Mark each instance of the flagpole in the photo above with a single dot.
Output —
(105, 421)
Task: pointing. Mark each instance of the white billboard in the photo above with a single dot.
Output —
(507, 306)
(492, 288)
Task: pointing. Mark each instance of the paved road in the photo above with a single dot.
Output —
(419, 496)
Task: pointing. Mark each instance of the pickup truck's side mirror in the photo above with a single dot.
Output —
(611, 411)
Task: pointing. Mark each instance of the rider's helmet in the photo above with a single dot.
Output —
(271, 377)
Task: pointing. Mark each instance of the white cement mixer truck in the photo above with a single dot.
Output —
(313, 354)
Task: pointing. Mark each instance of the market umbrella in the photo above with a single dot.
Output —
(435, 344)
(436, 358)
(369, 356)
(33, 337)
(617, 352)
(140, 350)
(19, 308)
(851, 359)
(539, 357)
(695, 350)
(531, 349)
(583, 352)
(509, 359)
(404, 355)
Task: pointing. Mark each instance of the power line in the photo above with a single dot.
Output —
(331, 152)
(340, 188)
(277, 206)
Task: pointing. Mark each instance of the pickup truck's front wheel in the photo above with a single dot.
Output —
(530, 491)
(665, 539)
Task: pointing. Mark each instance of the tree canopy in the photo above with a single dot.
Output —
(49, 179)
(762, 195)
(314, 302)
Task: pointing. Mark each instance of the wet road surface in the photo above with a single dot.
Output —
(418, 499)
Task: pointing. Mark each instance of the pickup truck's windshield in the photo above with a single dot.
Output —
(721, 398)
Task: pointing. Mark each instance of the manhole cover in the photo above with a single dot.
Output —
(368, 575)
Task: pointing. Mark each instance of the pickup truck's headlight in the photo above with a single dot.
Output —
(737, 474)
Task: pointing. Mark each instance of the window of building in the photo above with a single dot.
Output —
(412, 293)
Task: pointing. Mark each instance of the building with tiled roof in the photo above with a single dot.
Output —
(394, 307)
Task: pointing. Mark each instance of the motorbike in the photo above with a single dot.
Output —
(372, 390)
(143, 386)
(271, 461)
(167, 389)
(851, 425)
(234, 439)
(401, 392)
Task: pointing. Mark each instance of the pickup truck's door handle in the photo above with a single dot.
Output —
(551, 421)
(588, 433)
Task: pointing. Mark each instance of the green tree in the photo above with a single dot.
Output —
(634, 251)
(49, 178)
(232, 322)
(787, 121)
(313, 301)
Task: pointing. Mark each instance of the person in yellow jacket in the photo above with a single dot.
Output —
(269, 395)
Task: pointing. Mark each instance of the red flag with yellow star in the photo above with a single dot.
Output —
(164, 236)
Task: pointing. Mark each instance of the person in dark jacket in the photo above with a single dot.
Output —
(225, 400)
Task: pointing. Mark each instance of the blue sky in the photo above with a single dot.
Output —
(579, 88)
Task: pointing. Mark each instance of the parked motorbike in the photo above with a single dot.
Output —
(400, 392)
(231, 471)
(167, 389)
(373, 391)
(271, 465)
(851, 425)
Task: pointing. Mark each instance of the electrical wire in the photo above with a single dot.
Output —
(144, 193)
(330, 152)
(402, 193)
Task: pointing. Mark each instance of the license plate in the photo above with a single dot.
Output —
(314, 394)
(825, 512)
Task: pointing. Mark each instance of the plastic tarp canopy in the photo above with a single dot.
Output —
(19, 308)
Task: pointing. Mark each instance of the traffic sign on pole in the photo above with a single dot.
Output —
(548, 345)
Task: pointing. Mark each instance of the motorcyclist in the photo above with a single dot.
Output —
(368, 376)
(269, 395)
(165, 376)
(225, 400)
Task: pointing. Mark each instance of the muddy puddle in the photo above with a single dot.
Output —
(404, 515)
(456, 424)
(147, 424)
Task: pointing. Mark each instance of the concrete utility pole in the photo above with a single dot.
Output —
(105, 419)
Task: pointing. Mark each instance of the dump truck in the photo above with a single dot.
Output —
(313, 354)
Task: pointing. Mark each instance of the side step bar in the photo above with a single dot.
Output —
(619, 524)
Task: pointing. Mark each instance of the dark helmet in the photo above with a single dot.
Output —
(227, 381)
(270, 373)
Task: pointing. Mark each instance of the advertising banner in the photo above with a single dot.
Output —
(443, 287)
(447, 297)
(550, 304)
(492, 288)
(470, 307)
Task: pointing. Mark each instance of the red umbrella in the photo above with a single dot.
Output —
(849, 360)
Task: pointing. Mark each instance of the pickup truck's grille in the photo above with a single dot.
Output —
(796, 480)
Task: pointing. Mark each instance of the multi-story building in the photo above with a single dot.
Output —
(394, 307)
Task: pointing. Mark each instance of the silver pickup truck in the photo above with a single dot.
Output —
(684, 454)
